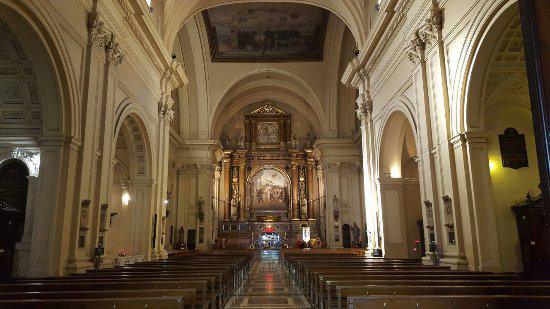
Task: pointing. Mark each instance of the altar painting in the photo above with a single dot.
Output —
(268, 132)
(269, 190)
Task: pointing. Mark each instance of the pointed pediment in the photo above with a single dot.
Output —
(268, 109)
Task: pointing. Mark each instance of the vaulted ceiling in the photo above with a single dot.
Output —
(266, 32)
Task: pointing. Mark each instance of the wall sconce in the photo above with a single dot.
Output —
(125, 198)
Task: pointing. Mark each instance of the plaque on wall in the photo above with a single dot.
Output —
(513, 149)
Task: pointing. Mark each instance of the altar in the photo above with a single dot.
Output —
(269, 182)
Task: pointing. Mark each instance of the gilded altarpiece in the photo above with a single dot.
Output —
(268, 179)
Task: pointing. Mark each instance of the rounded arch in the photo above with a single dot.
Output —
(130, 122)
(349, 11)
(398, 132)
(274, 85)
(468, 115)
(31, 159)
(257, 169)
(40, 37)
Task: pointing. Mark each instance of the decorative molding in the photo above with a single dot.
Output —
(113, 52)
(268, 109)
(30, 158)
(416, 49)
(99, 36)
(364, 107)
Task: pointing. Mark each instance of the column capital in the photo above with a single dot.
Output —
(364, 106)
(417, 48)
(165, 111)
(434, 23)
(98, 35)
(113, 52)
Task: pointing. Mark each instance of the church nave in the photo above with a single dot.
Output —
(268, 285)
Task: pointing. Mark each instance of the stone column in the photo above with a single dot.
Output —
(478, 221)
(49, 249)
(427, 151)
(205, 187)
(294, 181)
(372, 208)
(241, 162)
(310, 174)
(22, 248)
(332, 191)
(226, 185)
(102, 55)
(163, 140)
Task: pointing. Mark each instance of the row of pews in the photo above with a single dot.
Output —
(199, 280)
(337, 279)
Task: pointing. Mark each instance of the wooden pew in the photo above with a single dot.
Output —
(169, 302)
(449, 302)
(343, 292)
(325, 284)
(188, 280)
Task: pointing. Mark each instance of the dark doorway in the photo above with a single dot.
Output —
(346, 235)
(13, 202)
(191, 235)
(422, 240)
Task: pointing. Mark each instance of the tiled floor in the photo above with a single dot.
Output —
(268, 286)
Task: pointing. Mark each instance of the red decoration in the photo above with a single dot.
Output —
(268, 230)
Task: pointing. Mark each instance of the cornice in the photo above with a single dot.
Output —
(200, 145)
(146, 34)
(387, 12)
(143, 37)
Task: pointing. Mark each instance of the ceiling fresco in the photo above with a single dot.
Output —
(266, 32)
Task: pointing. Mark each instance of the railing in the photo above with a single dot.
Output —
(130, 259)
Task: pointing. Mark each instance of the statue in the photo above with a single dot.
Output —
(226, 140)
(294, 140)
(180, 245)
(356, 232)
(200, 206)
(309, 140)
(240, 141)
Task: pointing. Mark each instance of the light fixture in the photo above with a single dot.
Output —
(492, 165)
(165, 202)
(125, 198)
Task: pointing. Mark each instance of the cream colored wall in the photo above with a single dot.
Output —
(439, 95)
(510, 186)
(211, 82)
(100, 73)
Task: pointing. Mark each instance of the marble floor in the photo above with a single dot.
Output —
(268, 285)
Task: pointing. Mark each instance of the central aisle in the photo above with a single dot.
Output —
(268, 286)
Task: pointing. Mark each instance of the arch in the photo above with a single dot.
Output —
(13, 209)
(397, 115)
(468, 111)
(347, 10)
(58, 85)
(270, 84)
(30, 157)
(132, 175)
(131, 124)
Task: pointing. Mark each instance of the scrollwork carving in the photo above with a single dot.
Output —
(113, 52)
